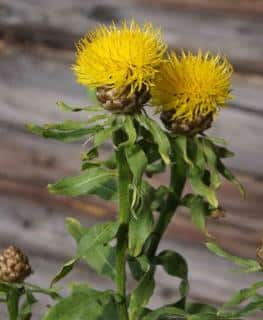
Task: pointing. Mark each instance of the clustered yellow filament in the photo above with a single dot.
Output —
(192, 85)
(122, 57)
(130, 57)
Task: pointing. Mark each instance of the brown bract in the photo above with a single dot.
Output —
(14, 265)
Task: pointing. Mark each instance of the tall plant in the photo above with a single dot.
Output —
(128, 69)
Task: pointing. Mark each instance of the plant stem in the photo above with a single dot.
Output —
(177, 183)
(124, 177)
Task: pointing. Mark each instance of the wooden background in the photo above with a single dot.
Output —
(36, 51)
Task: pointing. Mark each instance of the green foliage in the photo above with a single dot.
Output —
(142, 149)
(248, 265)
(20, 298)
(158, 135)
(84, 303)
(175, 265)
(141, 295)
(98, 181)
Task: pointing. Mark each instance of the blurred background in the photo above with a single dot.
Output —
(36, 51)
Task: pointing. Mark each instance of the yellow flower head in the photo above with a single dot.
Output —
(192, 85)
(120, 57)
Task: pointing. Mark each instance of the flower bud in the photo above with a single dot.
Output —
(198, 125)
(14, 265)
(126, 102)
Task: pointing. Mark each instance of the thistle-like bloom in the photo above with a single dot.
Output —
(192, 87)
(119, 57)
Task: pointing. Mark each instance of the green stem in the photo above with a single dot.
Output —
(177, 183)
(124, 177)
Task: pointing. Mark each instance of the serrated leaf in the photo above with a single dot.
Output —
(89, 181)
(141, 295)
(99, 234)
(159, 136)
(249, 265)
(64, 135)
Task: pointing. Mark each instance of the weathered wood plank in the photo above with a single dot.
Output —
(246, 7)
(31, 84)
(61, 23)
(39, 229)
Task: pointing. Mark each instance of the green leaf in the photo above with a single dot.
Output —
(75, 229)
(251, 307)
(249, 265)
(141, 222)
(230, 177)
(66, 107)
(155, 168)
(63, 134)
(175, 265)
(212, 160)
(65, 270)
(243, 295)
(223, 152)
(181, 142)
(103, 135)
(84, 303)
(199, 209)
(92, 181)
(99, 234)
(140, 227)
(138, 266)
(199, 308)
(130, 131)
(141, 295)
(168, 311)
(159, 136)
(137, 161)
(102, 259)
(201, 188)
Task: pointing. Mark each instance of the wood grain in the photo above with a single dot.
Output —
(245, 7)
(60, 23)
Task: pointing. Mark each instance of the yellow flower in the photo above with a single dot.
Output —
(119, 57)
(192, 86)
